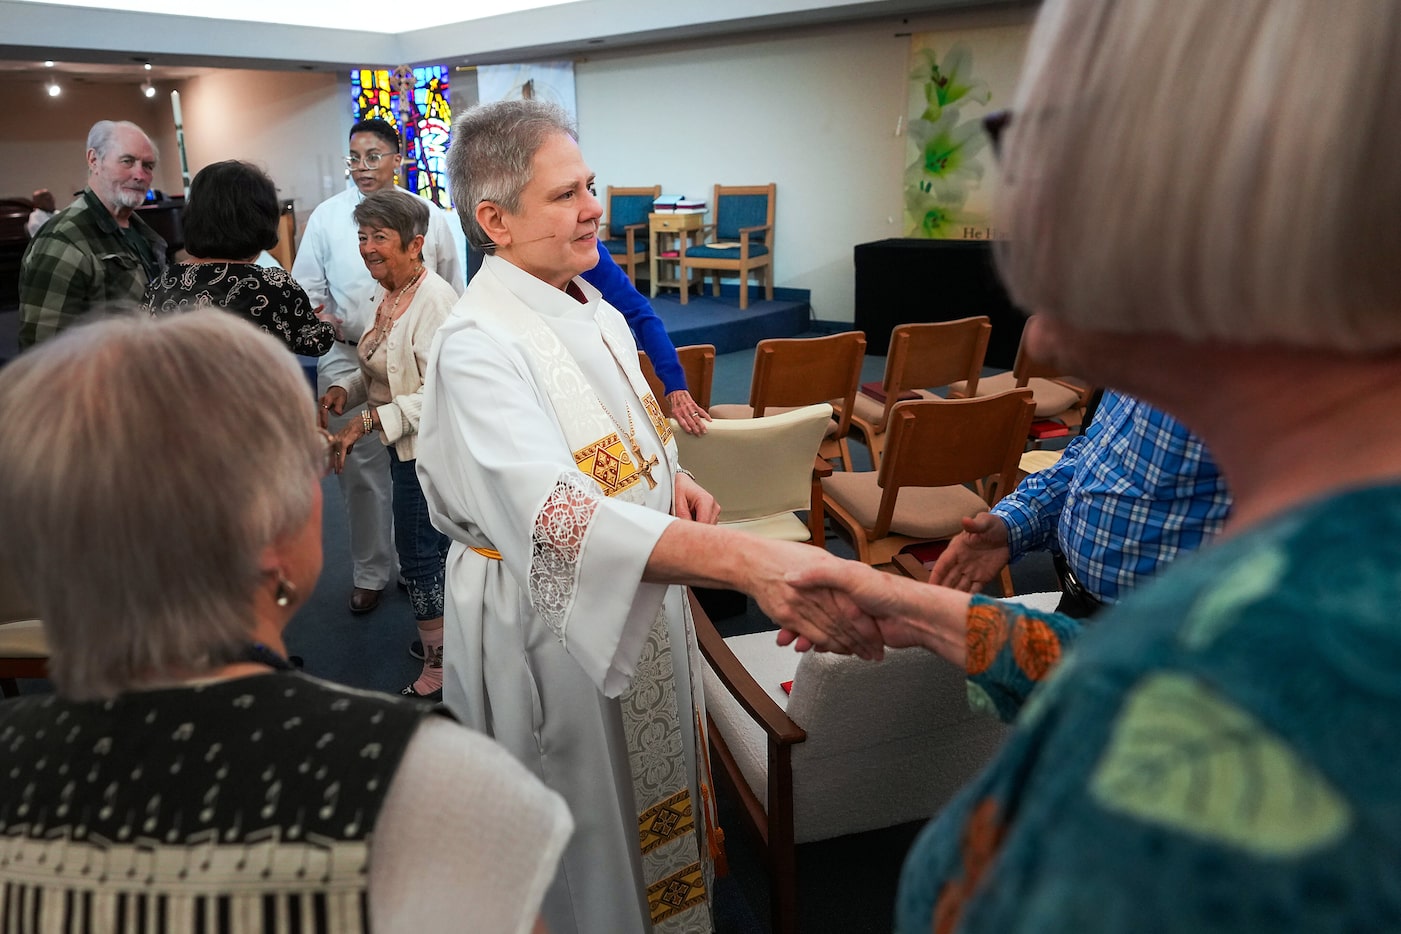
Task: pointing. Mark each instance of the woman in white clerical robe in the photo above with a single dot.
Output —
(546, 459)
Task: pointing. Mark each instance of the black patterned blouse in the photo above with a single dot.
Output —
(267, 296)
(236, 806)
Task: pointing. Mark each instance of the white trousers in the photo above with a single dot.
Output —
(365, 485)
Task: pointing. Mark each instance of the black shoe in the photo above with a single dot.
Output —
(436, 697)
(416, 650)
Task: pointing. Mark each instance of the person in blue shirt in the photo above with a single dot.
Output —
(1125, 498)
(647, 329)
(1216, 753)
(618, 291)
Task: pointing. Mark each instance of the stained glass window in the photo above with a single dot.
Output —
(416, 102)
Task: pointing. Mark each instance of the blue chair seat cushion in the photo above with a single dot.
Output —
(710, 252)
(620, 247)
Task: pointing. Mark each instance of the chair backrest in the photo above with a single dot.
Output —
(935, 353)
(947, 442)
(653, 380)
(757, 467)
(860, 728)
(698, 367)
(628, 206)
(1027, 367)
(698, 363)
(740, 206)
(793, 371)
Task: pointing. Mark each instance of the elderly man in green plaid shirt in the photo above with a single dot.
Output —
(97, 249)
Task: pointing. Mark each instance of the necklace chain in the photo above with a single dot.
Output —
(383, 322)
(644, 466)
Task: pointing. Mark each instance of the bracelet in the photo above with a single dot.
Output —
(367, 420)
(686, 472)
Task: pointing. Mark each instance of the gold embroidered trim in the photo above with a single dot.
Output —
(606, 461)
(664, 822)
(659, 421)
(676, 893)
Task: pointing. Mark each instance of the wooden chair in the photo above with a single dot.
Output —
(921, 357)
(742, 240)
(1060, 398)
(795, 371)
(698, 367)
(624, 230)
(762, 470)
(857, 745)
(934, 448)
(24, 651)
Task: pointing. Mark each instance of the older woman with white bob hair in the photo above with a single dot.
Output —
(1201, 203)
(183, 770)
(545, 458)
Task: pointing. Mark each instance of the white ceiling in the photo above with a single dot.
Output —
(330, 35)
(312, 12)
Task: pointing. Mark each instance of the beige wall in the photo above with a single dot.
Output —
(818, 111)
(291, 124)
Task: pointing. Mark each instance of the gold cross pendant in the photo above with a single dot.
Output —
(644, 467)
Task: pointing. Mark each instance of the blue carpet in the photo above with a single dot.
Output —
(719, 321)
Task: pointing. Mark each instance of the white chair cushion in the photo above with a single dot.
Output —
(730, 410)
(785, 528)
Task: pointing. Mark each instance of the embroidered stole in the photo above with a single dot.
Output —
(677, 869)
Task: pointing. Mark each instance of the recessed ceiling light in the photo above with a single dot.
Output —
(147, 66)
(49, 63)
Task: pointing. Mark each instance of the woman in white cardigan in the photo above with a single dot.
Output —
(410, 303)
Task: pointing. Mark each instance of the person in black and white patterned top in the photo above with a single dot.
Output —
(183, 777)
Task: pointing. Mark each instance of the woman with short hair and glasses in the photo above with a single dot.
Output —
(410, 303)
(1200, 202)
(183, 772)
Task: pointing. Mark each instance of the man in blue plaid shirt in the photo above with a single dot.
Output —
(1124, 498)
(96, 250)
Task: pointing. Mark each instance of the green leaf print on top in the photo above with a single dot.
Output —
(1254, 576)
(1183, 757)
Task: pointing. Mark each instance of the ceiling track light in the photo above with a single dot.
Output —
(53, 89)
(148, 88)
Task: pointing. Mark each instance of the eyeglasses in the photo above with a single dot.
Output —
(329, 457)
(369, 160)
(994, 124)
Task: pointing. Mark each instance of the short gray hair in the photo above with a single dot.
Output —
(148, 462)
(1217, 171)
(489, 159)
(104, 131)
(394, 210)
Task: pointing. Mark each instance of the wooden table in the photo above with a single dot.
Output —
(668, 229)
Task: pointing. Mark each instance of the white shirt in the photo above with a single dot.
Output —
(329, 267)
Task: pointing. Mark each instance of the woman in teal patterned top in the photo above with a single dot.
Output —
(1219, 751)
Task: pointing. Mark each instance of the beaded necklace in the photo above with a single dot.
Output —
(383, 322)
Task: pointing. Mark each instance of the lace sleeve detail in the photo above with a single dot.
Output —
(556, 545)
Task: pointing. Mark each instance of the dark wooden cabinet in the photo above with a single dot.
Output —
(900, 281)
